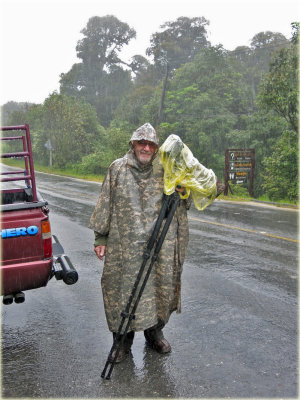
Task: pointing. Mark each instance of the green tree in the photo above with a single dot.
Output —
(254, 60)
(262, 130)
(281, 169)
(179, 41)
(114, 144)
(139, 64)
(131, 107)
(279, 89)
(176, 45)
(69, 125)
(13, 113)
(279, 94)
(205, 101)
(295, 32)
(99, 79)
(104, 38)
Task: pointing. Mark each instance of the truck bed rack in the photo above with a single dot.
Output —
(27, 175)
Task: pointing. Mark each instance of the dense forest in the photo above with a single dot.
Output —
(211, 97)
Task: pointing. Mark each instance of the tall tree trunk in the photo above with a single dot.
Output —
(162, 99)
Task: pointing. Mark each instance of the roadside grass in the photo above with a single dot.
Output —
(239, 193)
(56, 171)
(262, 199)
(284, 201)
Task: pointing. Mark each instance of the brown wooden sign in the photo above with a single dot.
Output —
(239, 167)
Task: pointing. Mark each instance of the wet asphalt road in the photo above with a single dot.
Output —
(236, 336)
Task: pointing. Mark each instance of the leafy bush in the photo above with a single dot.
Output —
(240, 191)
(95, 163)
(281, 169)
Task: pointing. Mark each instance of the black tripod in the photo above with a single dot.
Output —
(167, 211)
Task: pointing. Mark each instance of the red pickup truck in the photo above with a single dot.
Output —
(31, 255)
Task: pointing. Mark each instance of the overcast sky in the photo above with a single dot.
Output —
(38, 37)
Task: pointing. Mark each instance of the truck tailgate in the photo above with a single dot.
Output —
(23, 264)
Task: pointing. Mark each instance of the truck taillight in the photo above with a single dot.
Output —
(47, 239)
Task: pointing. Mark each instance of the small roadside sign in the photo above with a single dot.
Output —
(239, 167)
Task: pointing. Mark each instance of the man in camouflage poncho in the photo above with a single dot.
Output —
(123, 220)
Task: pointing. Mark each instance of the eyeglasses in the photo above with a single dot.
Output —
(145, 143)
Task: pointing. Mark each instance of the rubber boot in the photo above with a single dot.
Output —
(125, 348)
(155, 338)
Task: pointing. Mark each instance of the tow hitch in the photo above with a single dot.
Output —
(62, 265)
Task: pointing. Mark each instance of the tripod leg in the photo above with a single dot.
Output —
(174, 204)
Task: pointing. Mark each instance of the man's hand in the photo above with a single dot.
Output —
(180, 189)
(100, 251)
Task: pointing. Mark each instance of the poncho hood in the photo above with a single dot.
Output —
(145, 132)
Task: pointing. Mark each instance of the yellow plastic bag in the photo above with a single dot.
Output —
(182, 168)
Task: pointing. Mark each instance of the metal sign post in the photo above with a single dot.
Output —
(239, 167)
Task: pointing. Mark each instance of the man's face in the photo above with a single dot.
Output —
(144, 151)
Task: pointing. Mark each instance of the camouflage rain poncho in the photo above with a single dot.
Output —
(127, 209)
